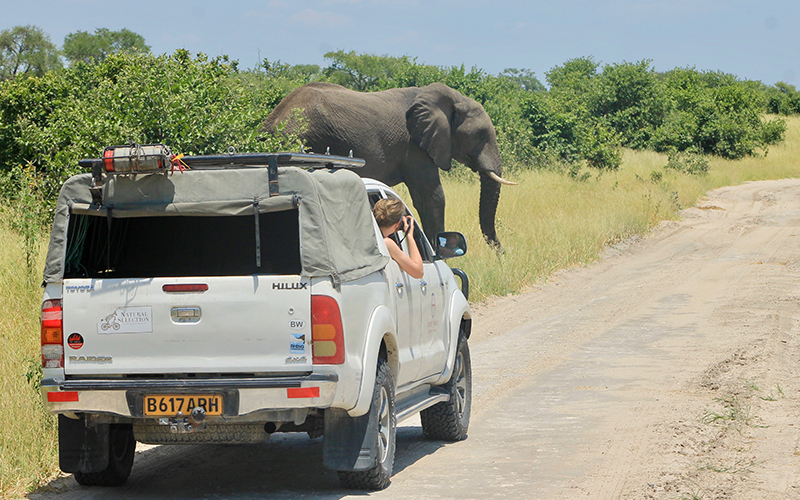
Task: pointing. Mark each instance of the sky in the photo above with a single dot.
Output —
(754, 40)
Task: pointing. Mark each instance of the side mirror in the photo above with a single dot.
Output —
(450, 244)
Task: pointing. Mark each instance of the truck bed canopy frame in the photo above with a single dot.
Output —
(337, 229)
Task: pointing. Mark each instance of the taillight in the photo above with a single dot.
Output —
(327, 334)
(52, 334)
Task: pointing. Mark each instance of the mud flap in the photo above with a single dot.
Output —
(349, 442)
(81, 448)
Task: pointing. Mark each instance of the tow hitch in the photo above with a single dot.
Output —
(182, 424)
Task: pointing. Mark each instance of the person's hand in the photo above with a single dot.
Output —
(408, 224)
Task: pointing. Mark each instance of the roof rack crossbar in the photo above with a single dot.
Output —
(303, 160)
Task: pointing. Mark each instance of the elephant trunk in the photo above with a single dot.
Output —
(490, 196)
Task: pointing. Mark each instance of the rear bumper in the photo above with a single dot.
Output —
(123, 397)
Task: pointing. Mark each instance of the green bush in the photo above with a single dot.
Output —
(201, 105)
(773, 131)
(716, 113)
(687, 163)
(782, 99)
(555, 127)
(630, 100)
(196, 105)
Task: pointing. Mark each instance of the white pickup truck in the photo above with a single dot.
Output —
(220, 299)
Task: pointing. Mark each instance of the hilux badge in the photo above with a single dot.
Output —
(290, 286)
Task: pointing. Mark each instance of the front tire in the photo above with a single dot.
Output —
(449, 421)
(382, 409)
(122, 446)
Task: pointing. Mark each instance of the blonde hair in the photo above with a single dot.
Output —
(388, 211)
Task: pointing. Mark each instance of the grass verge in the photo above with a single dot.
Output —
(28, 447)
(551, 221)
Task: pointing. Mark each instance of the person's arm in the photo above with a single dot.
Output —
(411, 262)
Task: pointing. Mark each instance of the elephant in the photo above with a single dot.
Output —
(405, 135)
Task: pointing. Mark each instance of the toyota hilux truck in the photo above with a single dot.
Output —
(221, 299)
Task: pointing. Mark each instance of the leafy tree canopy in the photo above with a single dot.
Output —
(26, 50)
(304, 73)
(114, 92)
(83, 46)
(363, 72)
(574, 75)
(196, 105)
(525, 78)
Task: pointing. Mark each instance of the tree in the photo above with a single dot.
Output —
(195, 105)
(299, 73)
(575, 76)
(525, 78)
(716, 113)
(630, 99)
(363, 72)
(26, 50)
(782, 99)
(86, 47)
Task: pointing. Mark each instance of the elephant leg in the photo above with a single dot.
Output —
(428, 198)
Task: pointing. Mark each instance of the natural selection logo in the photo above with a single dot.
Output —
(127, 320)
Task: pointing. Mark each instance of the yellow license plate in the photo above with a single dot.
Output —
(168, 405)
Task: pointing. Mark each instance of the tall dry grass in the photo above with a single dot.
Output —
(551, 221)
(548, 222)
(28, 442)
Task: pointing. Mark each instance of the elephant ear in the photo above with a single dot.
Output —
(428, 122)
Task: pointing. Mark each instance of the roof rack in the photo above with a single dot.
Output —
(157, 158)
(271, 161)
(303, 160)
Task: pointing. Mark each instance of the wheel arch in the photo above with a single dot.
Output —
(460, 320)
(381, 341)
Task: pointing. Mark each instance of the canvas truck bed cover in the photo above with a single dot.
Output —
(336, 224)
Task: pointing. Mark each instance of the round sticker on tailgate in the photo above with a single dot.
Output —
(75, 340)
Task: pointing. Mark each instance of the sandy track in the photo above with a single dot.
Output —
(667, 370)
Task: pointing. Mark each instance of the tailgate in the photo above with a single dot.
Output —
(240, 324)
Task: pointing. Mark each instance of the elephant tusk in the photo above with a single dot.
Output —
(500, 180)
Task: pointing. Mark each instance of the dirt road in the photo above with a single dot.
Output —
(667, 370)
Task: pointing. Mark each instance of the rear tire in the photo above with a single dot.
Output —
(382, 409)
(122, 446)
(449, 421)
